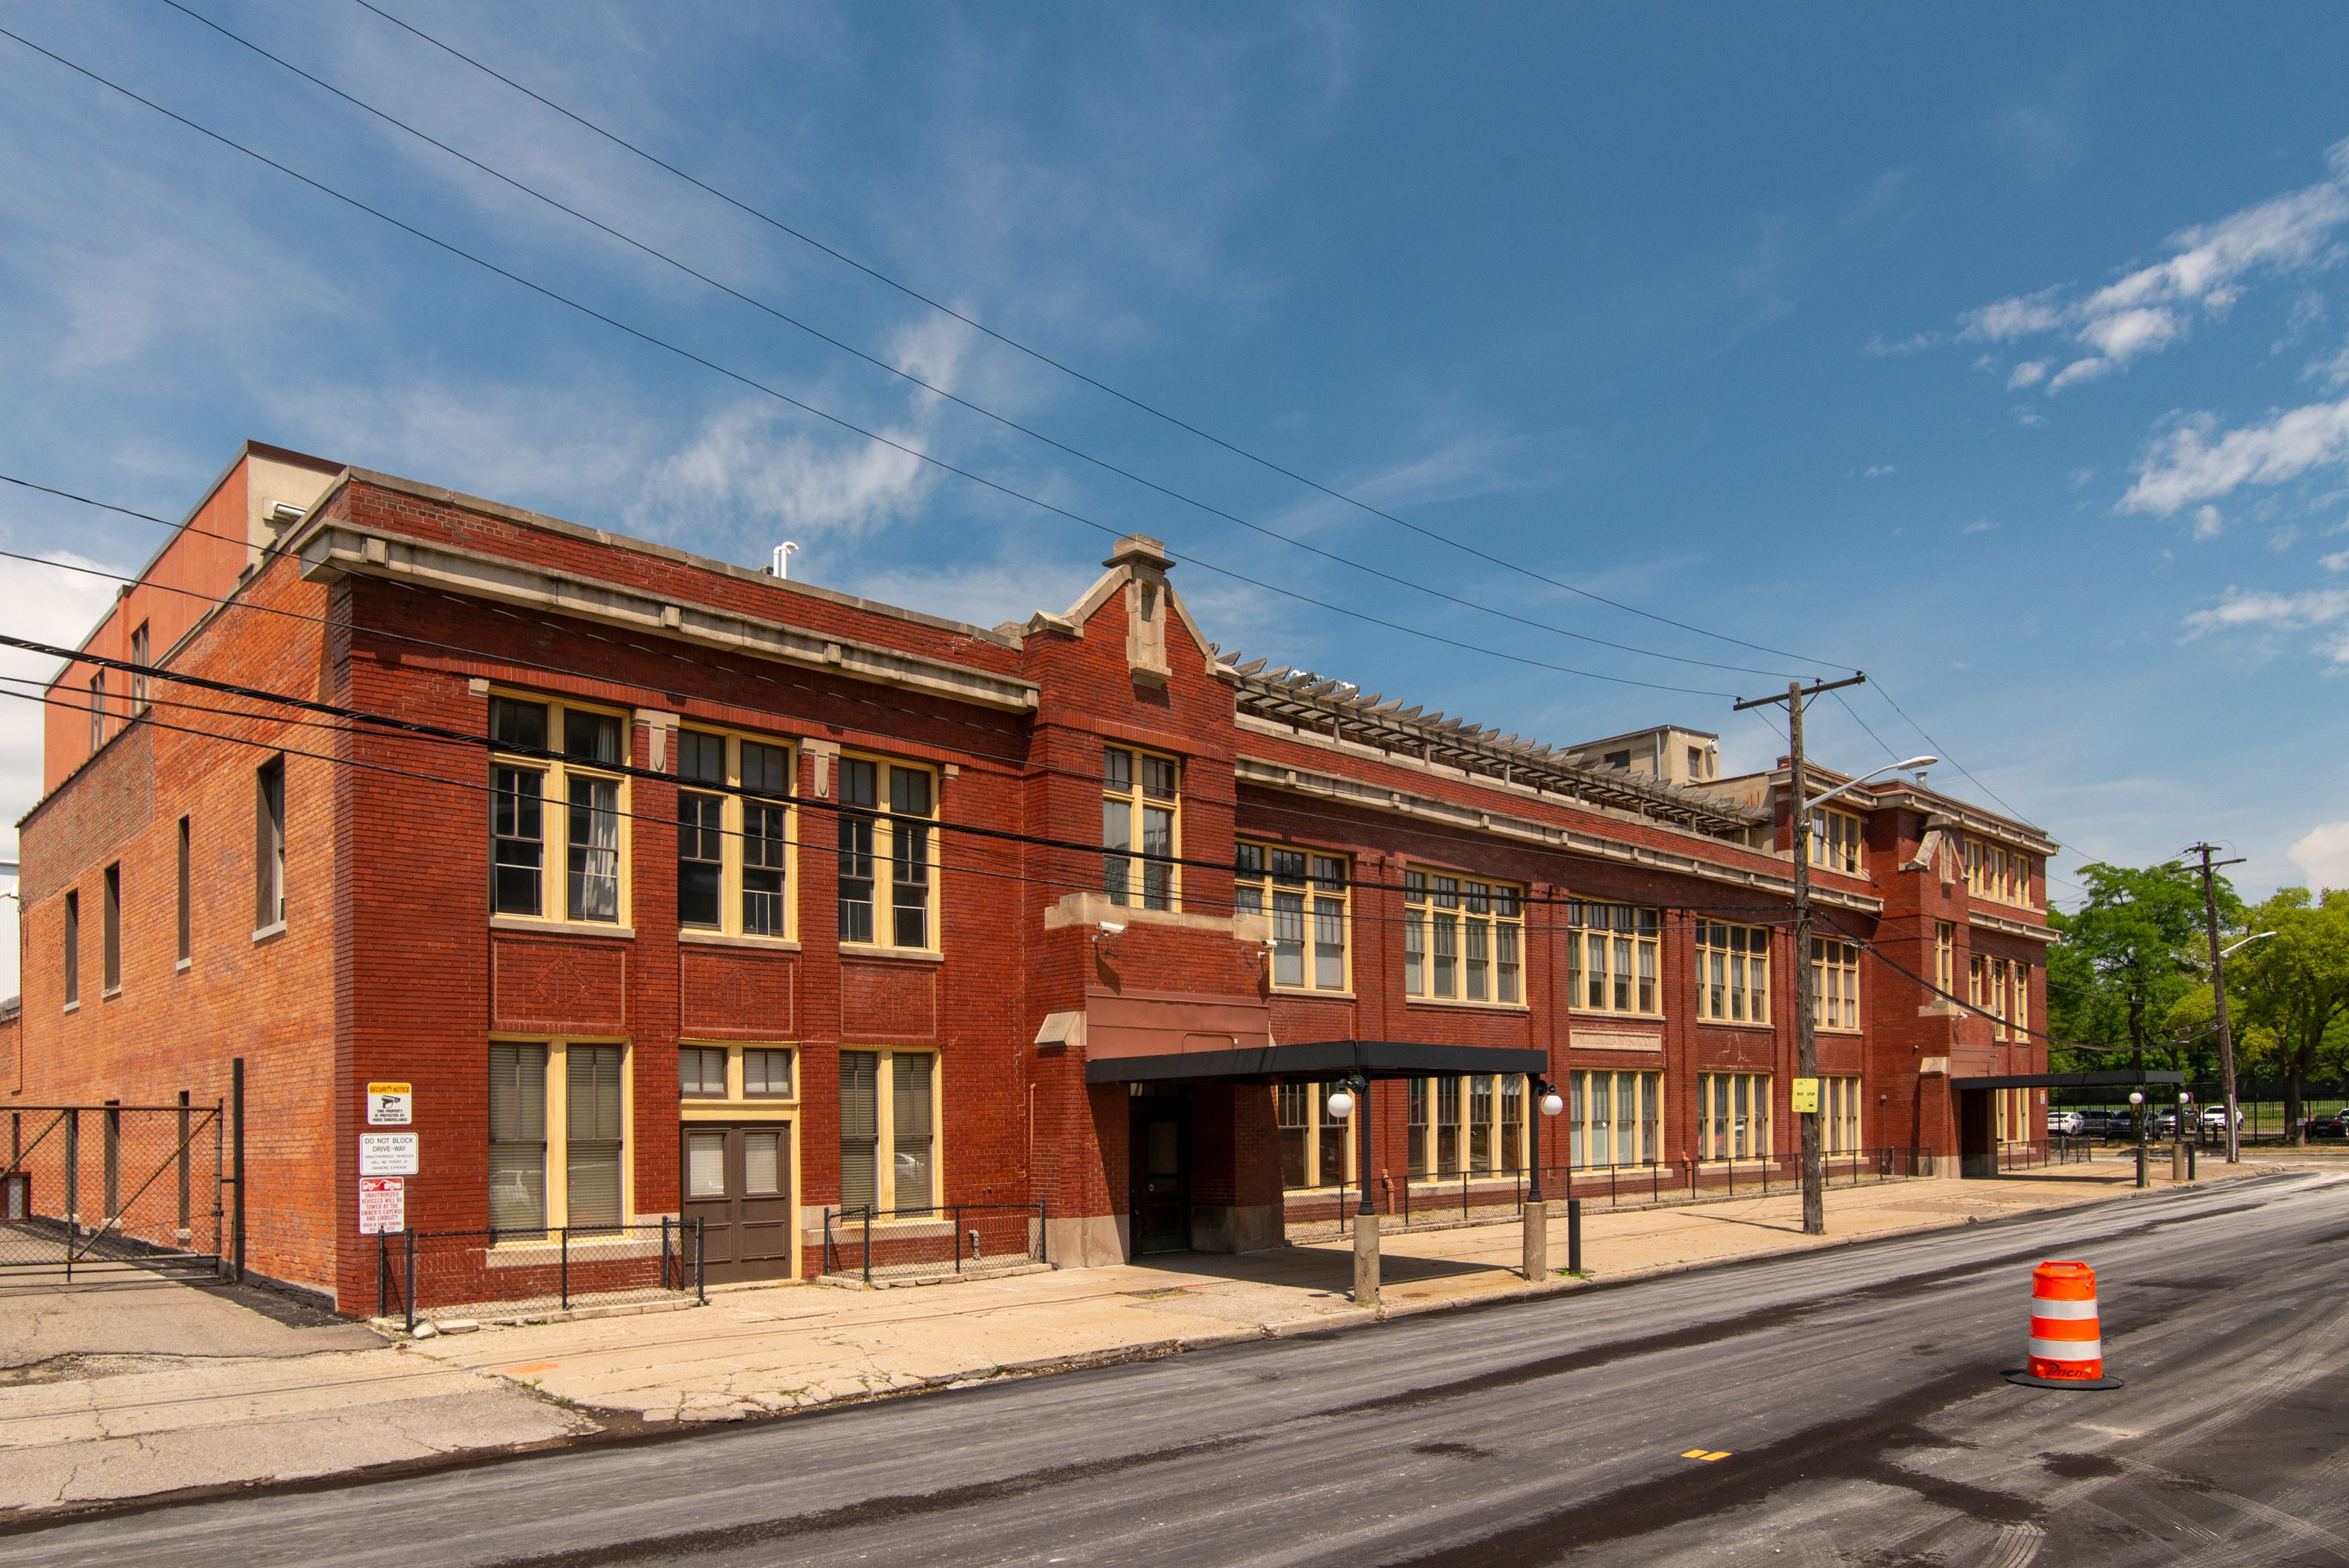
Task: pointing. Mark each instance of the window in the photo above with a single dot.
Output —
(706, 1072)
(1309, 916)
(1836, 841)
(1732, 970)
(1463, 939)
(73, 948)
(1839, 1115)
(732, 847)
(1945, 957)
(1835, 984)
(269, 845)
(701, 1072)
(1612, 1119)
(557, 1105)
(186, 935)
(1139, 803)
(902, 1121)
(1479, 1124)
(138, 675)
(894, 845)
(2014, 1109)
(1316, 1148)
(568, 757)
(1734, 1116)
(1611, 957)
(97, 711)
(110, 913)
(2018, 1015)
(1696, 762)
(1622, 760)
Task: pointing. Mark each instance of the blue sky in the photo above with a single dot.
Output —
(2002, 357)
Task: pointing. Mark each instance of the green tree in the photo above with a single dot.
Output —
(2124, 961)
(2293, 989)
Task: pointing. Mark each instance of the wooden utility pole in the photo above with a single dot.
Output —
(1806, 1041)
(2218, 993)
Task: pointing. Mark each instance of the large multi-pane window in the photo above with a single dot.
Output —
(1734, 1116)
(735, 1072)
(1835, 984)
(1613, 1118)
(1994, 871)
(1139, 810)
(1732, 973)
(888, 1131)
(1611, 957)
(888, 834)
(2018, 1015)
(1463, 939)
(1945, 957)
(557, 798)
(1316, 1148)
(1839, 1115)
(1836, 841)
(1304, 893)
(733, 839)
(1476, 1124)
(558, 1106)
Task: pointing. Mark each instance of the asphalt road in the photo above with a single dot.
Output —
(1854, 1393)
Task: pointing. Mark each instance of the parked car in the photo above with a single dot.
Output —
(2333, 1124)
(2214, 1118)
(2066, 1123)
(2100, 1122)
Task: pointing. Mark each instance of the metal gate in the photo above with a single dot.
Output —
(93, 1192)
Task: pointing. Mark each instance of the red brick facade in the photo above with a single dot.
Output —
(415, 603)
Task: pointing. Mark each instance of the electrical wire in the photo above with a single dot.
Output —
(1043, 359)
(742, 378)
(1337, 557)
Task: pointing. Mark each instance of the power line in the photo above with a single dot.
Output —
(1043, 359)
(1009, 492)
(926, 386)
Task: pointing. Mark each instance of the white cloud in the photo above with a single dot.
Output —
(2209, 523)
(2029, 372)
(1881, 470)
(2025, 416)
(2283, 539)
(1979, 525)
(2240, 610)
(2322, 856)
(2151, 308)
(2187, 466)
(2336, 562)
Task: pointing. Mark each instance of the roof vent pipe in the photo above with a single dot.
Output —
(782, 566)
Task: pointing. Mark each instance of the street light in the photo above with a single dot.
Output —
(2137, 1109)
(1546, 1099)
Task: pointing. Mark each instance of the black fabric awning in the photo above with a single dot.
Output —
(1317, 1061)
(2131, 1079)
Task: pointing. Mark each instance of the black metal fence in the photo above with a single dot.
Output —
(942, 1241)
(519, 1273)
(1464, 1197)
(92, 1190)
(2024, 1154)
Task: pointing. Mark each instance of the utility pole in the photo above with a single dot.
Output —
(1807, 1042)
(2219, 989)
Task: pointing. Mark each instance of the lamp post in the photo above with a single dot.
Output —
(1354, 1094)
(1546, 1100)
(2137, 1109)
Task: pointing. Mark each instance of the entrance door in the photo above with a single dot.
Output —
(1162, 1194)
(738, 1183)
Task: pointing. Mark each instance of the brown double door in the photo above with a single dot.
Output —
(738, 1183)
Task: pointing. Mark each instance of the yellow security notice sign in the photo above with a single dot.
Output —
(1806, 1097)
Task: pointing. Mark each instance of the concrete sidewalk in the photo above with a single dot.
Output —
(93, 1408)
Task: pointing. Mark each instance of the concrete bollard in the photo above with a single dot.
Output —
(1366, 1260)
(2178, 1160)
(1538, 1240)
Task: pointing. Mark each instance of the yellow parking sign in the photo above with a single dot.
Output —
(1806, 1097)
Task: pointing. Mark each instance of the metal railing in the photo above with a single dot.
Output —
(942, 1241)
(516, 1273)
(1466, 1197)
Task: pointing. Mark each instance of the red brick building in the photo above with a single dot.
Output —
(686, 890)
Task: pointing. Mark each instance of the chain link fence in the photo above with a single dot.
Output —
(89, 1190)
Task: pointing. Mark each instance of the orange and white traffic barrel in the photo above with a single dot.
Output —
(2067, 1348)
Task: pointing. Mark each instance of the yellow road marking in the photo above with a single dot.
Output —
(1707, 1455)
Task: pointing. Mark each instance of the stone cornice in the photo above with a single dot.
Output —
(1513, 828)
(332, 550)
(2006, 927)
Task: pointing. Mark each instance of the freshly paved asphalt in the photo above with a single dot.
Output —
(1855, 1392)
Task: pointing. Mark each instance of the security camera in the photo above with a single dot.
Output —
(1111, 928)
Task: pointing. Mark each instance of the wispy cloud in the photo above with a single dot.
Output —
(2188, 465)
(2322, 856)
(2152, 307)
(2309, 608)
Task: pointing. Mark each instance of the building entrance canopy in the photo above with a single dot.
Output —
(1317, 1062)
(2133, 1078)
